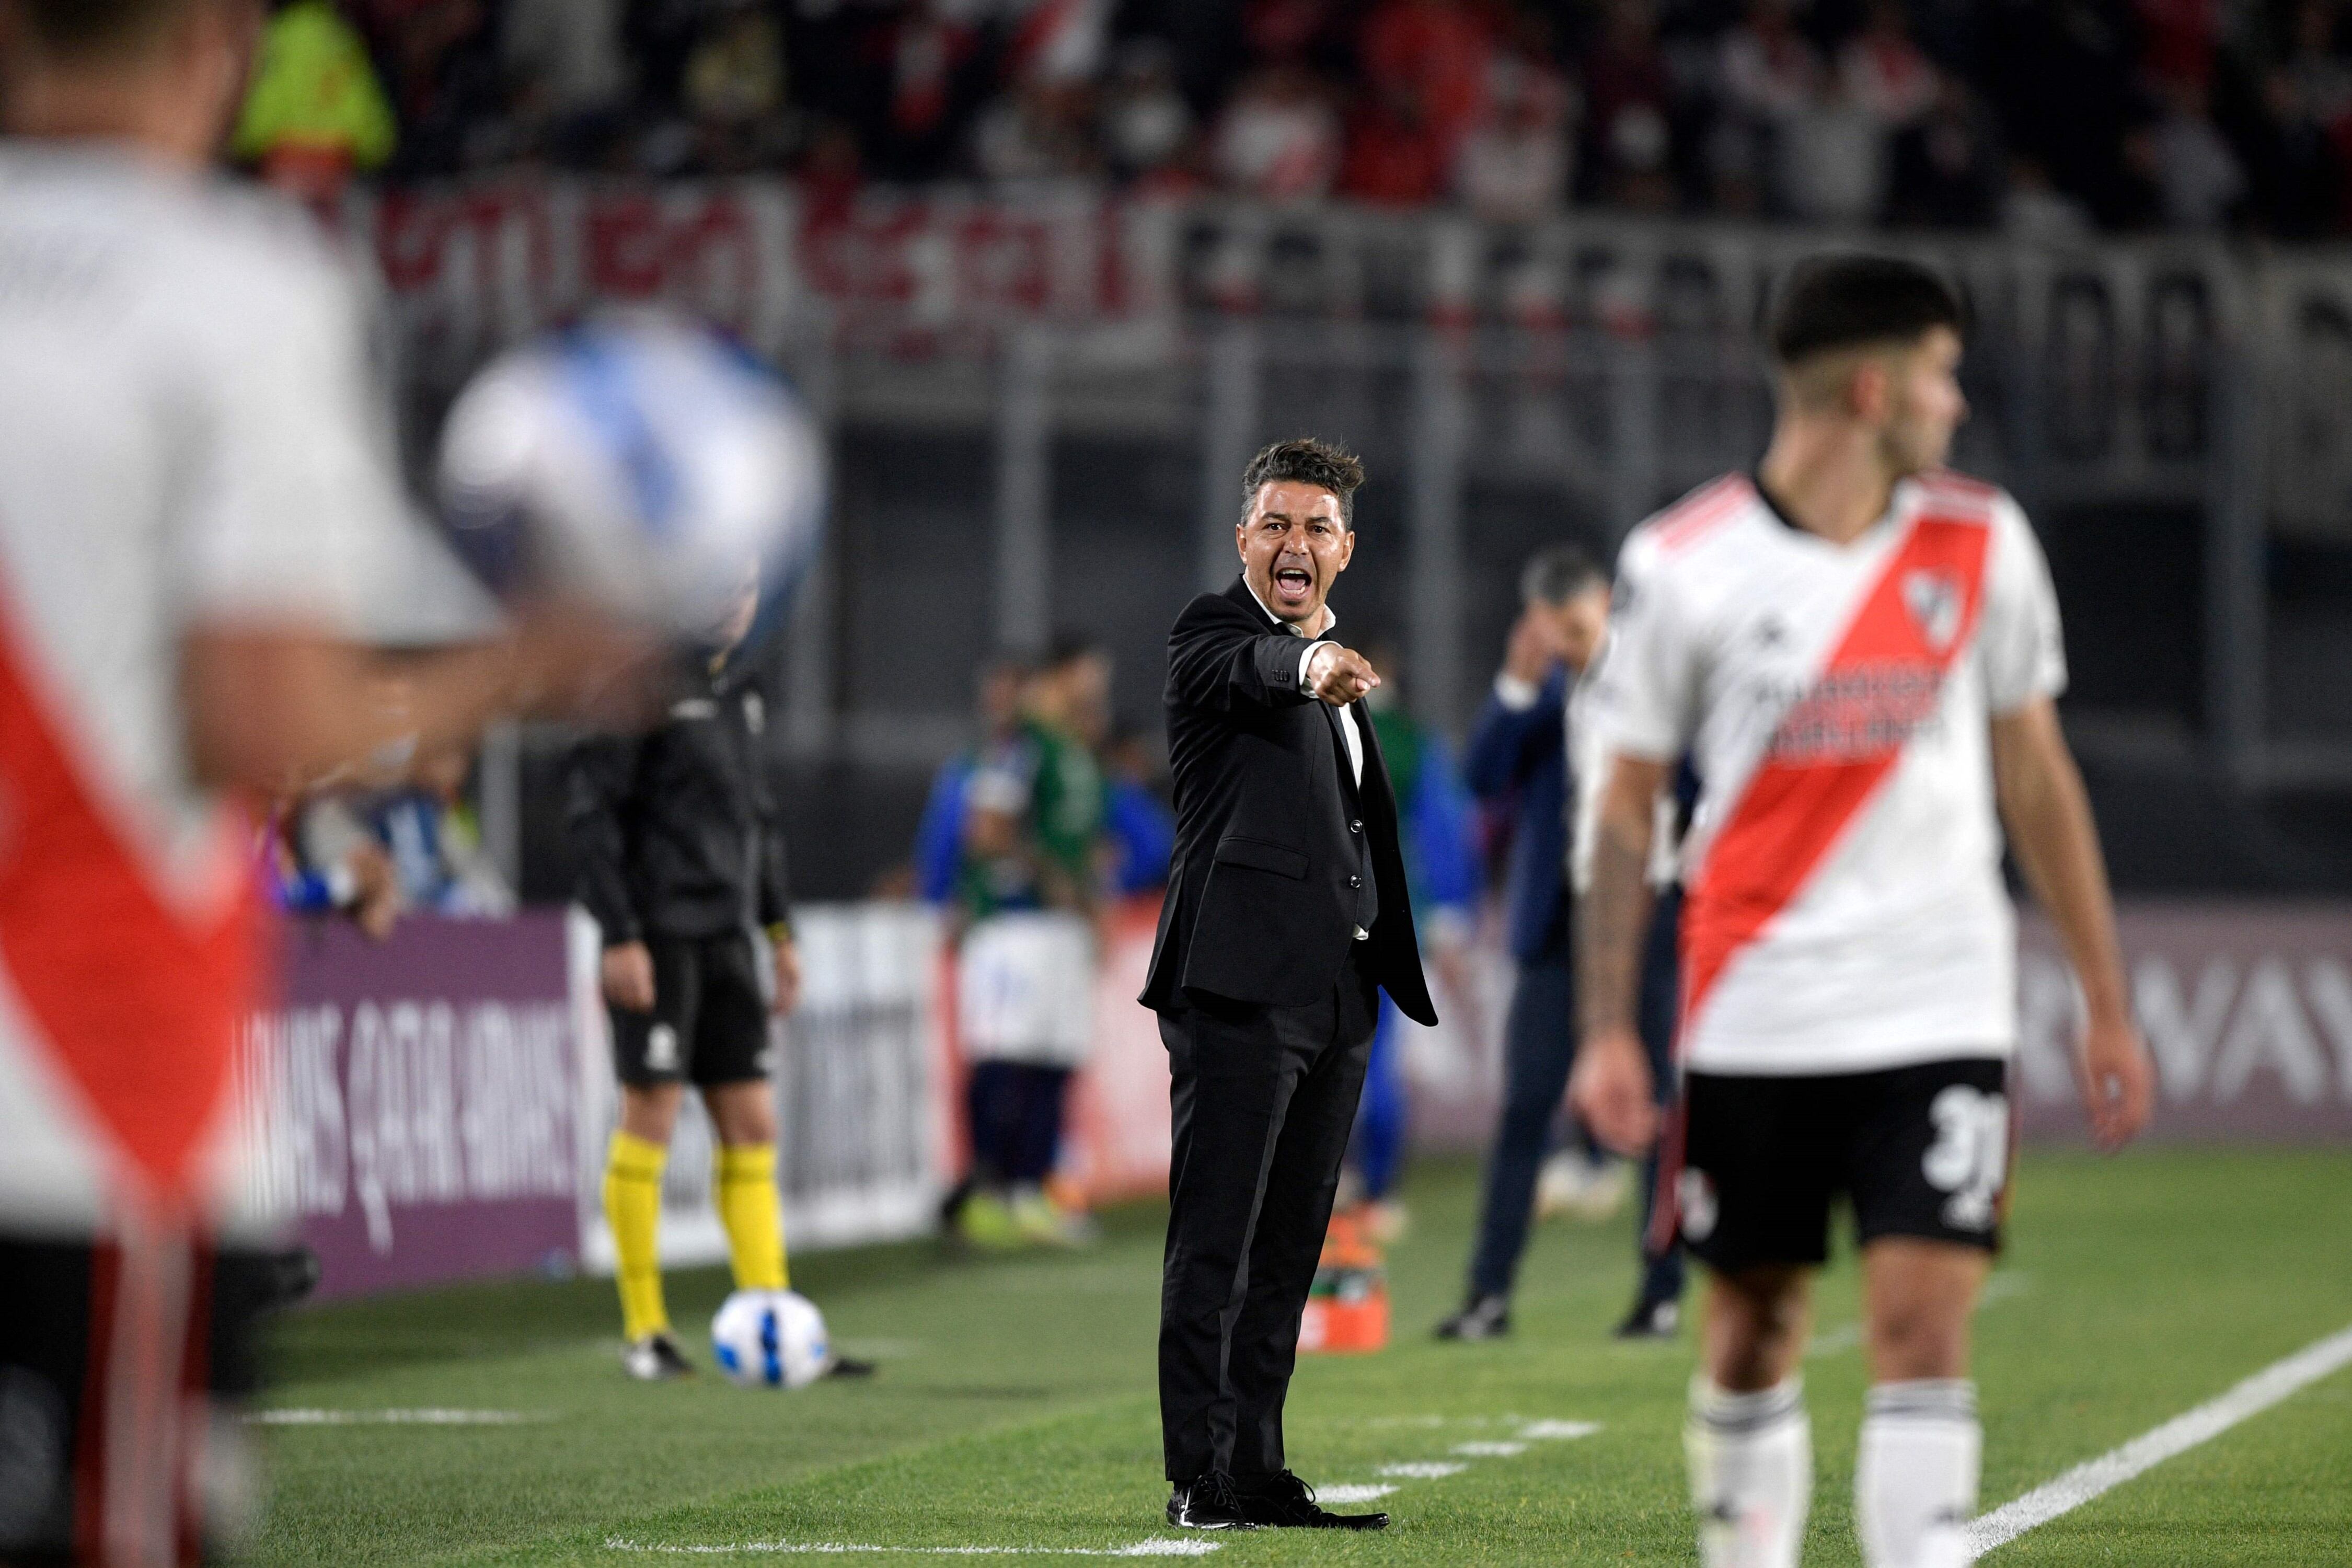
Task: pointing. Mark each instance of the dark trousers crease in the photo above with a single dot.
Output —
(1263, 1101)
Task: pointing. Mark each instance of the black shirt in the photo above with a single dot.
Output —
(675, 832)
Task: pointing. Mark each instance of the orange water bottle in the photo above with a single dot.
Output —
(1348, 1306)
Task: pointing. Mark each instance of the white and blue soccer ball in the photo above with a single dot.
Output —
(639, 461)
(771, 1339)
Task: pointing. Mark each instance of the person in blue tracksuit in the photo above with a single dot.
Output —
(1518, 753)
(1138, 825)
(938, 835)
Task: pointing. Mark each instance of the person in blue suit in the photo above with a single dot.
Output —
(1519, 754)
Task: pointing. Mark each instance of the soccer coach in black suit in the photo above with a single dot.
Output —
(1286, 906)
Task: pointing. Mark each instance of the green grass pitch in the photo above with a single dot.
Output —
(1015, 1407)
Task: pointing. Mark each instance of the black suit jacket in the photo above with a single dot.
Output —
(1278, 852)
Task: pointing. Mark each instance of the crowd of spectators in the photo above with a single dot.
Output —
(2039, 117)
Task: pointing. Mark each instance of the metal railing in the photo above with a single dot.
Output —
(1599, 366)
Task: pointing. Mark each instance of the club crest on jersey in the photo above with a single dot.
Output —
(1934, 599)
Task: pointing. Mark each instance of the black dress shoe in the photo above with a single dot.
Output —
(1652, 1321)
(1286, 1502)
(1209, 1502)
(1486, 1317)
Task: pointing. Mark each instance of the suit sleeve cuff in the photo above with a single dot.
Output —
(1307, 687)
(1515, 694)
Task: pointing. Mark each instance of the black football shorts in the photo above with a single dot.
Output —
(709, 1020)
(1919, 1150)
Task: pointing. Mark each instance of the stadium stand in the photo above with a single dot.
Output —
(2036, 120)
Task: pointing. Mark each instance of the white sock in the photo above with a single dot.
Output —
(1914, 1481)
(1751, 1471)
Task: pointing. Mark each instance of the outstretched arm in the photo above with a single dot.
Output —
(1220, 658)
(275, 708)
(1610, 1087)
(2057, 846)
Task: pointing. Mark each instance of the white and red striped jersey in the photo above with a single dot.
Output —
(187, 436)
(1846, 910)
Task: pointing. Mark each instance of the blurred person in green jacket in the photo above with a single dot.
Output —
(1030, 891)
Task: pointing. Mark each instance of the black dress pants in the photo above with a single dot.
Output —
(1264, 1099)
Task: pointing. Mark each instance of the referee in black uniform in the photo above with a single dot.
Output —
(1287, 908)
(679, 858)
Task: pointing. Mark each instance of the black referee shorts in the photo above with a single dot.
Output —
(709, 1019)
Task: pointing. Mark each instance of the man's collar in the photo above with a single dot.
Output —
(1330, 616)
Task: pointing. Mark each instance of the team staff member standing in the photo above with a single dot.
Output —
(680, 861)
(1519, 752)
(1286, 909)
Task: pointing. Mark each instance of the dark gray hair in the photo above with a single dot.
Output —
(1306, 462)
(1558, 572)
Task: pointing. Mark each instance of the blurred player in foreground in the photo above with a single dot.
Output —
(200, 536)
(1862, 649)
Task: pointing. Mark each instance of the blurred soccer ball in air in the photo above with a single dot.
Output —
(639, 461)
(771, 1339)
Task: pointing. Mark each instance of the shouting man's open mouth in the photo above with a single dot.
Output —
(1294, 586)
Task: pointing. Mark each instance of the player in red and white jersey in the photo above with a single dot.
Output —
(1860, 650)
(200, 535)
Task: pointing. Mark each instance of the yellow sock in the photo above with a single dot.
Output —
(753, 1216)
(633, 1174)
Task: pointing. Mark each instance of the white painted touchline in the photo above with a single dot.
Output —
(393, 1418)
(2177, 1435)
(1159, 1546)
(1438, 1470)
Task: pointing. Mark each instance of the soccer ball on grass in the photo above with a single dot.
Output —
(771, 1339)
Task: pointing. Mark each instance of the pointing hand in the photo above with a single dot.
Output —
(1339, 675)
